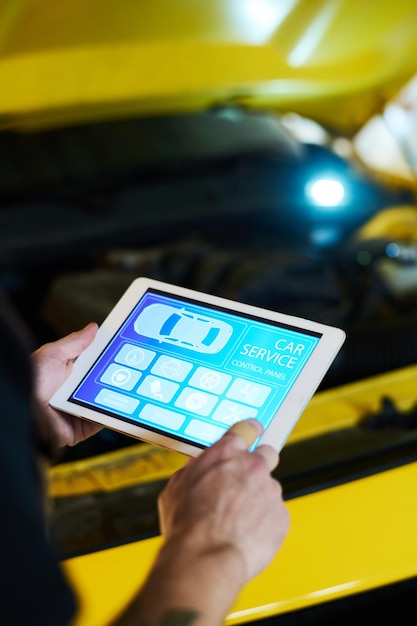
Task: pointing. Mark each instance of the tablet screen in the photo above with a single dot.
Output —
(192, 369)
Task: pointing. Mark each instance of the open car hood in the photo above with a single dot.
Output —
(336, 61)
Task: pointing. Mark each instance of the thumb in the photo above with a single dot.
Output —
(73, 344)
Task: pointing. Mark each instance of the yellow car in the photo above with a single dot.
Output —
(163, 138)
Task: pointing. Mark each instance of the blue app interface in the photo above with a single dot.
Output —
(192, 370)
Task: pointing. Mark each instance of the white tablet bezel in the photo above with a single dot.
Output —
(287, 414)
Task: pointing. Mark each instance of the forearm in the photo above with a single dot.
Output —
(186, 588)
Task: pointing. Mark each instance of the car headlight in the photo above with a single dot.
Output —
(325, 192)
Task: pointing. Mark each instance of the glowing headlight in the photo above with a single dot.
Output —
(325, 192)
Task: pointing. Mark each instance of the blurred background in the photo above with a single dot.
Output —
(261, 150)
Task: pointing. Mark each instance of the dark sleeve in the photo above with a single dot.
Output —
(33, 589)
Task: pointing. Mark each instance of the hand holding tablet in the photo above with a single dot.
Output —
(178, 367)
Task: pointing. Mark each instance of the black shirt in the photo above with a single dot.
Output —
(33, 589)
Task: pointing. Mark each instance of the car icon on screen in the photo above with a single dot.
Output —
(182, 328)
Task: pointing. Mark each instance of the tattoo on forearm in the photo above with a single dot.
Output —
(175, 617)
(179, 617)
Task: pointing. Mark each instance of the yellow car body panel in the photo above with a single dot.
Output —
(342, 541)
(337, 61)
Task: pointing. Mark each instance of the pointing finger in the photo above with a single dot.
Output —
(248, 432)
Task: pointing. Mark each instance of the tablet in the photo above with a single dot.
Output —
(176, 367)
